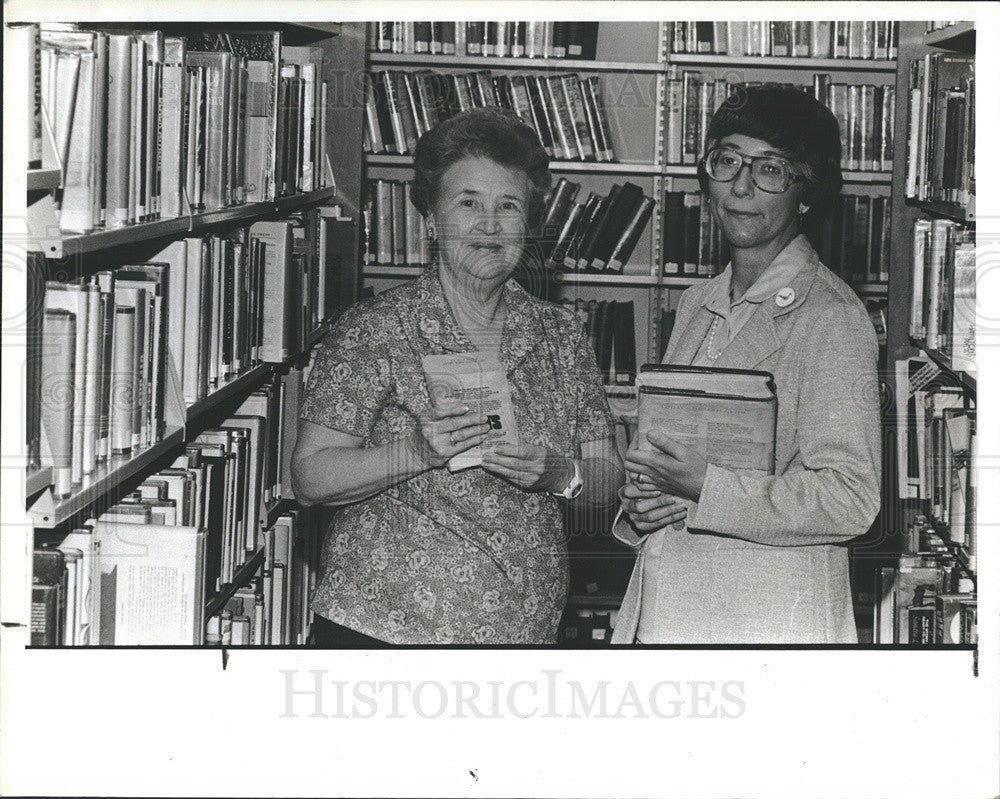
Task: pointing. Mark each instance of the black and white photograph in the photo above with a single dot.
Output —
(595, 401)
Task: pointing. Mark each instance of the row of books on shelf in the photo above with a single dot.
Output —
(273, 608)
(119, 354)
(926, 598)
(182, 535)
(941, 133)
(113, 583)
(565, 109)
(943, 290)
(147, 126)
(395, 231)
(598, 234)
(535, 39)
(936, 448)
(610, 328)
(865, 113)
(862, 39)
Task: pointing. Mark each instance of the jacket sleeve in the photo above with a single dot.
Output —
(830, 491)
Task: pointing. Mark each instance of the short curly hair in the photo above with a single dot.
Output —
(793, 121)
(495, 133)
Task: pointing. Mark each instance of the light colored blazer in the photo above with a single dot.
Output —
(762, 558)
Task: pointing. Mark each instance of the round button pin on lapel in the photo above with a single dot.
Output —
(785, 297)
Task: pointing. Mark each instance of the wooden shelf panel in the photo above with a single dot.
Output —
(104, 239)
(245, 383)
(879, 289)
(105, 479)
(600, 167)
(960, 36)
(241, 578)
(37, 480)
(597, 279)
(773, 62)
(506, 62)
(121, 469)
(958, 213)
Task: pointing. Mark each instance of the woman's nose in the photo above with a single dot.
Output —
(488, 222)
(743, 182)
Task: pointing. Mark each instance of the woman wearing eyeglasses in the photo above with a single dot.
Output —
(739, 556)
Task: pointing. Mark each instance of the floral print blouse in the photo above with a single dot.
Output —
(463, 558)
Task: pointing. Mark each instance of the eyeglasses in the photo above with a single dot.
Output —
(769, 173)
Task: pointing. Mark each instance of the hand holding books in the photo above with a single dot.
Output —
(671, 467)
(649, 509)
(444, 432)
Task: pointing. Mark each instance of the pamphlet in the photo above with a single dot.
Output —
(480, 382)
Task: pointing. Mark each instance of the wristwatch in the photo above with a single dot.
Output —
(572, 491)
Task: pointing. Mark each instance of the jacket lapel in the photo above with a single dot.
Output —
(687, 339)
(756, 341)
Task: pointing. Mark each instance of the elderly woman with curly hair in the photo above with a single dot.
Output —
(417, 554)
(734, 555)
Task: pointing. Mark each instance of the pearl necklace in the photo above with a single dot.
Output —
(711, 340)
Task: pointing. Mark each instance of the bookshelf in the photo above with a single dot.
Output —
(334, 49)
(920, 524)
(617, 49)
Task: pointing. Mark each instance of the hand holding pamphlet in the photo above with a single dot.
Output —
(480, 382)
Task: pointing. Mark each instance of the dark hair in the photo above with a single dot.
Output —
(792, 121)
(494, 133)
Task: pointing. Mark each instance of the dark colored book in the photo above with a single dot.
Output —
(382, 112)
(422, 37)
(475, 33)
(557, 210)
(624, 342)
(692, 232)
(48, 597)
(560, 37)
(621, 207)
(591, 210)
(604, 326)
(625, 245)
(673, 232)
(564, 250)
(595, 225)
(667, 319)
(539, 114)
(581, 40)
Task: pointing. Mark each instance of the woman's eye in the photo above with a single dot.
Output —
(468, 203)
(510, 206)
(728, 160)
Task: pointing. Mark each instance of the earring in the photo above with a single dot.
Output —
(803, 209)
(430, 230)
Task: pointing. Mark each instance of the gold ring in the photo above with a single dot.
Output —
(451, 438)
